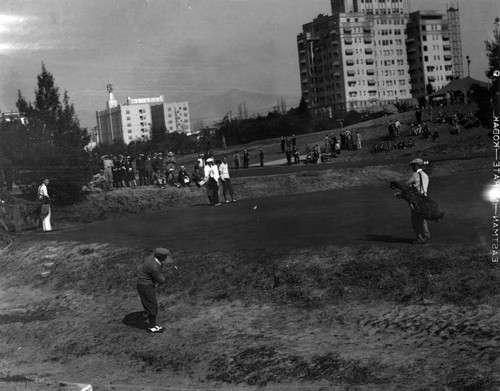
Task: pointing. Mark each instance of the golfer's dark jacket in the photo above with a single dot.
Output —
(150, 273)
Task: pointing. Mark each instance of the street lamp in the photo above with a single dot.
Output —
(468, 65)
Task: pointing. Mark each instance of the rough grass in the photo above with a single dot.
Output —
(307, 278)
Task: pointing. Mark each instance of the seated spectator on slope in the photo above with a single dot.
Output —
(183, 177)
(197, 175)
(159, 179)
(98, 182)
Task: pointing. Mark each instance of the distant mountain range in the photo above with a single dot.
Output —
(206, 111)
(235, 103)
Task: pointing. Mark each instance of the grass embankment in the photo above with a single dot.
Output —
(268, 317)
(127, 201)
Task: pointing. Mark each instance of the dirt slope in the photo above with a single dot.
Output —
(330, 317)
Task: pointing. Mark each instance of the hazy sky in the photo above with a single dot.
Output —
(183, 49)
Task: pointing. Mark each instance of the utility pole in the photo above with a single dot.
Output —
(468, 65)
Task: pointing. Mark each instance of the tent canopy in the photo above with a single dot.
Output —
(459, 84)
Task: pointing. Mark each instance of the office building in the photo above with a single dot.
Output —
(135, 119)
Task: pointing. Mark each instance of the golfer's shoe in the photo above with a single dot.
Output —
(156, 329)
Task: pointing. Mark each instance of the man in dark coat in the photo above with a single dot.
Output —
(149, 277)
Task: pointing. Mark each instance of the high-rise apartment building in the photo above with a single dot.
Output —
(135, 119)
(430, 52)
(358, 56)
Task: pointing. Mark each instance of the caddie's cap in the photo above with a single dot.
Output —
(210, 160)
(417, 161)
(162, 251)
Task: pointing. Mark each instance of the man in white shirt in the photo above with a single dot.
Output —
(420, 181)
(227, 186)
(108, 169)
(212, 179)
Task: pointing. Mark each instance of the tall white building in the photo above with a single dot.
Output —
(135, 119)
(432, 50)
(361, 56)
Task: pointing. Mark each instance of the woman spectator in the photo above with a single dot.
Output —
(45, 212)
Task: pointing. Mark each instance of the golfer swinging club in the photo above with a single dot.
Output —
(149, 278)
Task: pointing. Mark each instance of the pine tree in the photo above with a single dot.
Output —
(52, 143)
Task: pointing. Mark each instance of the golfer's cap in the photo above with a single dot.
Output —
(210, 160)
(162, 251)
(417, 161)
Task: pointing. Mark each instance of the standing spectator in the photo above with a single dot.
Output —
(296, 156)
(141, 168)
(334, 142)
(212, 177)
(420, 181)
(149, 169)
(418, 115)
(44, 199)
(236, 160)
(121, 171)
(149, 277)
(358, 141)
(282, 143)
(288, 156)
(391, 129)
(326, 140)
(227, 186)
(115, 171)
(246, 159)
(294, 140)
(332, 145)
(130, 172)
(206, 182)
(261, 156)
(288, 142)
(397, 126)
(107, 164)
